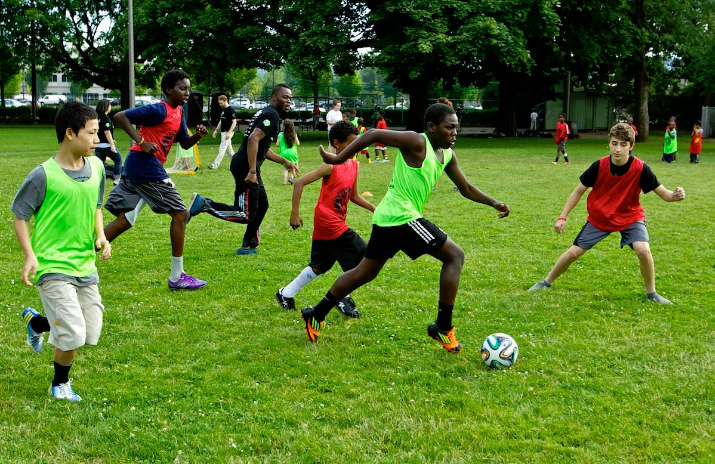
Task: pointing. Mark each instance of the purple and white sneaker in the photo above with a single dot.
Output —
(186, 282)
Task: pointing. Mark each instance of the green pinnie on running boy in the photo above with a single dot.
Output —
(398, 223)
(64, 194)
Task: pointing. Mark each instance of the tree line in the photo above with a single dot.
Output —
(630, 48)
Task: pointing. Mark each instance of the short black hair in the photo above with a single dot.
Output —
(698, 123)
(171, 78)
(437, 112)
(341, 131)
(73, 115)
(277, 87)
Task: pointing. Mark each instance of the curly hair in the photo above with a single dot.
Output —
(341, 131)
(171, 78)
(437, 112)
(623, 131)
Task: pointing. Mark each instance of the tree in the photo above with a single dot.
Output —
(12, 51)
(452, 41)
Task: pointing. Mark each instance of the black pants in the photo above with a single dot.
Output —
(250, 204)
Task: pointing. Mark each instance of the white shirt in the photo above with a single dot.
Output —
(333, 115)
(534, 116)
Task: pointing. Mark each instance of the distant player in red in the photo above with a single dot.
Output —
(696, 143)
(333, 240)
(362, 130)
(380, 147)
(614, 205)
(562, 135)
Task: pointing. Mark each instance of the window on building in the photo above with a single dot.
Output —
(54, 78)
(64, 78)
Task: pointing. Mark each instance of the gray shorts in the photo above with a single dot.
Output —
(590, 235)
(161, 196)
(562, 145)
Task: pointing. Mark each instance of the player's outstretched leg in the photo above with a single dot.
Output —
(442, 330)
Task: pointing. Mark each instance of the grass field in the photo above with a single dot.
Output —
(224, 375)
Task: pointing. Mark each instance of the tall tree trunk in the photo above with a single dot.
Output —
(506, 119)
(418, 89)
(641, 83)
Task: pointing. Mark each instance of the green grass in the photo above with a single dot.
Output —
(224, 375)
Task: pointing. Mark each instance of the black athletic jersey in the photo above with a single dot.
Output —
(648, 180)
(227, 117)
(105, 124)
(268, 121)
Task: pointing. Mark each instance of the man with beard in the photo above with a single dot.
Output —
(250, 200)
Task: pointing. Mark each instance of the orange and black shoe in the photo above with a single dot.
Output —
(312, 326)
(447, 339)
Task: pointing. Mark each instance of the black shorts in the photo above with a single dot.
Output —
(348, 250)
(416, 238)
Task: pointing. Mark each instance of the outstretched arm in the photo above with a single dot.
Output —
(411, 144)
(322, 171)
(271, 155)
(194, 139)
(667, 195)
(123, 121)
(470, 191)
(572, 201)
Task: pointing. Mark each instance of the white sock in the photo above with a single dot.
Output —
(177, 268)
(304, 278)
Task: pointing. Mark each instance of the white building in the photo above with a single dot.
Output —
(60, 84)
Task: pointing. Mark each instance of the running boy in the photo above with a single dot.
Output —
(333, 240)
(614, 206)
(398, 223)
(145, 181)
(560, 138)
(65, 195)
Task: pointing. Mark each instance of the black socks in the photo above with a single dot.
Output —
(444, 317)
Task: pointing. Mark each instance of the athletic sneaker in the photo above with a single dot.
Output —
(542, 285)
(312, 326)
(286, 303)
(385, 160)
(186, 282)
(447, 339)
(554, 162)
(347, 307)
(247, 251)
(64, 391)
(196, 205)
(34, 340)
(656, 298)
(213, 166)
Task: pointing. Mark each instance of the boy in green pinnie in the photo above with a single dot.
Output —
(65, 195)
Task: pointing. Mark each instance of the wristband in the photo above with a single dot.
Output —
(253, 171)
(561, 218)
(140, 141)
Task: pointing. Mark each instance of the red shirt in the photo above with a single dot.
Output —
(614, 202)
(562, 132)
(381, 124)
(696, 142)
(163, 134)
(332, 207)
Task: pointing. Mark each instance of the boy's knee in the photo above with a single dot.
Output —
(642, 250)
(575, 253)
(180, 216)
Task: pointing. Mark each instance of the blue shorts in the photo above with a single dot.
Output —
(591, 235)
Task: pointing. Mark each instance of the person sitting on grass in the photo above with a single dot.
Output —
(398, 223)
(614, 206)
(65, 195)
(333, 240)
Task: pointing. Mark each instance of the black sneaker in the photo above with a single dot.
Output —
(347, 307)
(286, 303)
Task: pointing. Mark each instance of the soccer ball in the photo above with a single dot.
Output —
(499, 350)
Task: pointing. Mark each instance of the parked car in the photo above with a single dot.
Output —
(144, 101)
(12, 103)
(257, 105)
(52, 99)
(240, 103)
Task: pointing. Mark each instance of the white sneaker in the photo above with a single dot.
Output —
(64, 391)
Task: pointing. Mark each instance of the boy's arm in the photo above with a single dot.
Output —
(100, 240)
(667, 195)
(123, 121)
(411, 145)
(359, 200)
(470, 191)
(22, 232)
(194, 139)
(572, 201)
(322, 171)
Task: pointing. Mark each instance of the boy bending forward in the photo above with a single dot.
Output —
(614, 206)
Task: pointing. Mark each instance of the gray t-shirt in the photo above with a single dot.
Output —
(28, 201)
